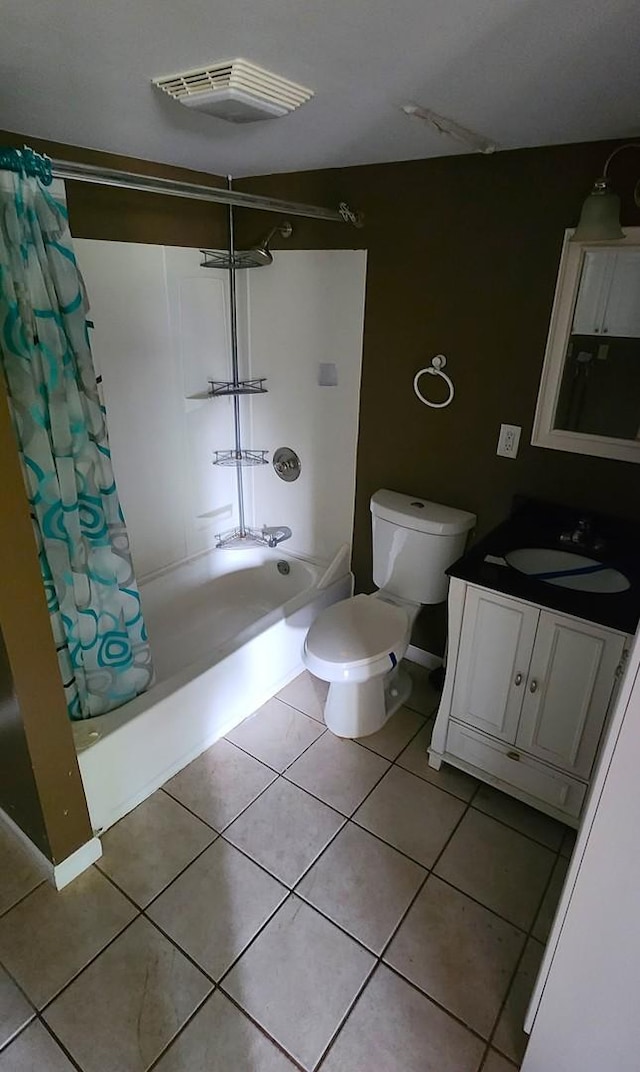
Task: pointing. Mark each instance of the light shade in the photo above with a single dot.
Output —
(600, 216)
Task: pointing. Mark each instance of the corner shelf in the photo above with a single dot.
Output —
(239, 458)
(225, 388)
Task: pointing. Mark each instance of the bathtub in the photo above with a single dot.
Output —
(226, 631)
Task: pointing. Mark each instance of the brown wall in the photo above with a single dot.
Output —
(127, 216)
(34, 715)
(18, 790)
(463, 256)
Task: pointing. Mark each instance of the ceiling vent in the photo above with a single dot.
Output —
(235, 90)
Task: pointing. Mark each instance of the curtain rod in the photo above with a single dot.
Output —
(63, 169)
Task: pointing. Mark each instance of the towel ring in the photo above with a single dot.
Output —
(435, 369)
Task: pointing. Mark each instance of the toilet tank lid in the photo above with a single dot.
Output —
(411, 512)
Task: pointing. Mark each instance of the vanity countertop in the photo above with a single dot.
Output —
(533, 523)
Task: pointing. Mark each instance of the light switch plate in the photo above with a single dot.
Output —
(509, 440)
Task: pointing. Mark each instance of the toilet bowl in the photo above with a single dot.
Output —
(357, 645)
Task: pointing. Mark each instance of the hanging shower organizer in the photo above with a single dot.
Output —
(240, 457)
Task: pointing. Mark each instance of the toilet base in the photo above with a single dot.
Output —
(357, 709)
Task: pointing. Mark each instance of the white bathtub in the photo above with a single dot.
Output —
(226, 632)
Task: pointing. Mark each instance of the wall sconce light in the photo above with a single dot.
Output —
(600, 216)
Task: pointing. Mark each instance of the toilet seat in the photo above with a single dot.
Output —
(356, 639)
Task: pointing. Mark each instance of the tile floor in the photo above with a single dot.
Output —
(287, 901)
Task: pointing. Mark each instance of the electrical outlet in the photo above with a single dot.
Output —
(509, 440)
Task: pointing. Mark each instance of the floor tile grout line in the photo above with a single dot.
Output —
(40, 1010)
(529, 937)
(183, 1027)
(263, 1030)
(59, 1042)
(341, 927)
(142, 908)
(503, 822)
(231, 821)
(143, 912)
(434, 1001)
(406, 746)
(16, 1035)
(477, 789)
(88, 964)
(345, 815)
(18, 985)
(343, 1020)
(430, 871)
(293, 707)
(380, 956)
(5, 911)
(272, 874)
(228, 971)
(290, 764)
(487, 908)
(361, 740)
(366, 830)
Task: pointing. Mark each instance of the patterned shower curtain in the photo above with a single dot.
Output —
(83, 546)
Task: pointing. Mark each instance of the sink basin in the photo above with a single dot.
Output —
(566, 569)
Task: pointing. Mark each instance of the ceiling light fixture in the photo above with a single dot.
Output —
(600, 216)
(453, 129)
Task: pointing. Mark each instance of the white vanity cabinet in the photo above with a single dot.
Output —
(526, 696)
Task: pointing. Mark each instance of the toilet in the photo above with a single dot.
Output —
(357, 644)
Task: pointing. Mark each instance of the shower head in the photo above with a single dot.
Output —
(261, 254)
(257, 257)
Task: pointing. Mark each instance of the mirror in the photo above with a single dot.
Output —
(589, 399)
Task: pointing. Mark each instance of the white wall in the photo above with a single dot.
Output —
(307, 308)
(161, 331)
(587, 1019)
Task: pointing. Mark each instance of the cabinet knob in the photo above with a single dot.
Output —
(513, 755)
(533, 686)
(518, 679)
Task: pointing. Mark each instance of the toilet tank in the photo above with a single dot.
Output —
(414, 541)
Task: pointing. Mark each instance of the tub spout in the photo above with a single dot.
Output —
(275, 534)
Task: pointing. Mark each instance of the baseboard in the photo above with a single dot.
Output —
(422, 657)
(59, 875)
(79, 861)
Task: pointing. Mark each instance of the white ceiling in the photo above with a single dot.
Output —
(521, 72)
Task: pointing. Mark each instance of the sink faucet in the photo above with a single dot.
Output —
(582, 536)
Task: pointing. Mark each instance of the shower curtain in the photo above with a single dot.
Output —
(82, 541)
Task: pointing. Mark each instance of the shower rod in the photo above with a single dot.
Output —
(128, 180)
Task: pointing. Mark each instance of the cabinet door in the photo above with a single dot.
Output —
(622, 314)
(593, 292)
(491, 674)
(571, 678)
